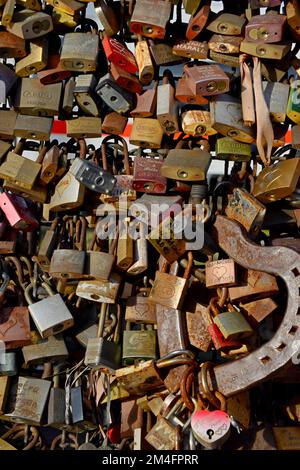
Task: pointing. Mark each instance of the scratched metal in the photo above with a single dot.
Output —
(269, 359)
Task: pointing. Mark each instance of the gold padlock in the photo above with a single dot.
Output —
(36, 99)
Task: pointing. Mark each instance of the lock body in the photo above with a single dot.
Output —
(146, 133)
(20, 170)
(229, 149)
(265, 28)
(102, 354)
(197, 123)
(138, 345)
(17, 212)
(154, 23)
(207, 80)
(67, 264)
(33, 127)
(36, 99)
(84, 126)
(92, 176)
(147, 177)
(114, 96)
(220, 273)
(246, 210)
(233, 325)
(227, 23)
(186, 165)
(80, 52)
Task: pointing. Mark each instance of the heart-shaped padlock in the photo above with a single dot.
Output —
(210, 428)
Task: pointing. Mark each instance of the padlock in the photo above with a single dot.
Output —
(8, 12)
(219, 341)
(36, 60)
(293, 111)
(113, 95)
(114, 123)
(292, 14)
(227, 23)
(277, 181)
(125, 256)
(80, 52)
(162, 435)
(229, 149)
(126, 80)
(163, 54)
(7, 81)
(68, 263)
(17, 212)
(63, 22)
(169, 290)
(90, 175)
(224, 59)
(167, 111)
(47, 245)
(85, 95)
(139, 309)
(184, 94)
(11, 46)
(154, 24)
(108, 16)
(4, 148)
(147, 177)
(140, 249)
(146, 133)
(84, 127)
(33, 127)
(198, 21)
(51, 349)
(4, 391)
(221, 273)
(29, 25)
(197, 123)
(246, 210)
(100, 290)
(138, 344)
(101, 353)
(233, 325)
(226, 116)
(276, 96)
(36, 99)
(260, 309)
(185, 164)
(225, 44)
(53, 72)
(30, 4)
(144, 62)
(191, 49)
(198, 323)
(57, 401)
(20, 170)
(50, 164)
(99, 264)
(266, 51)
(265, 28)
(140, 378)
(58, 317)
(258, 285)
(118, 54)
(206, 80)
(71, 7)
(31, 399)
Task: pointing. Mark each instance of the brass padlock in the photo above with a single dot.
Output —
(233, 325)
(20, 170)
(221, 273)
(85, 95)
(246, 210)
(138, 344)
(140, 378)
(125, 256)
(266, 51)
(146, 133)
(50, 164)
(33, 127)
(36, 60)
(265, 28)
(154, 23)
(186, 164)
(36, 99)
(113, 95)
(7, 123)
(41, 350)
(197, 123)
(226, 116)
(277, 181)
(139, 309)
(225, 44)
(292, 14)
(84, 127)
(162, 436)
(224, 59)
(207, 80)
(30, 25)
(169, 290)
(229, 149)
(70, 7)
(167, 111)
(227, 23)
(80, 52)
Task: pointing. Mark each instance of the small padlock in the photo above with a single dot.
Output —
(80, 52)
(118, 54)
(41, 350)
(98, 264)
(206, 80)
(266, 51)
(33, 127)
(184, 94)
(154, 23)
(126, 80)
(36, 60)
(225, 44)
(229, 149)
(227, 23)
(47, 245)
(84, 127)
(11, 46)
(144, 62)
(146, 133)
(265, 28)
(30, 25)
(113, 95)
(139, 309)
(191, 49)
(147, 177)
(233, 325)
(138, 344)
(197, 123)
(85, 95)
(56, 403)
(221, 273)
(276, 96)
(36, 99)
(246, 210)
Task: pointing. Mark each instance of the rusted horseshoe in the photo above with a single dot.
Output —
(259, 365)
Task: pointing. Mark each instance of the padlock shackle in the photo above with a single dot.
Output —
(188, 269)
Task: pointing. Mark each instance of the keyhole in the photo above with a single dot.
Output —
(210, 433)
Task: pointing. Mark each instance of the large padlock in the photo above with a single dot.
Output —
(227, 23)
(154, 23)
(265, 28)
(80, 52)
(33, 127)
(114, 96)
(146, 133)
(36, 99)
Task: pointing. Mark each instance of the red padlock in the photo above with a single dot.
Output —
(17, 213)
(119, 54)
(126, 80)
(147, 177)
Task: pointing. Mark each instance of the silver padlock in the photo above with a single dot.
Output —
(114, 96)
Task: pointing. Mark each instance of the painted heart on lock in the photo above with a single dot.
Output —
(210, 428)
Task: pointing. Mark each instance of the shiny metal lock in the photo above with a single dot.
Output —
(36, 60)
(31, 399)
(191, 49)
(11, 46)
(266, 51)
(246, 210)
(33, 127)
(225, 44)
(50, 315)
(144, 62)
(233, 325)
(197, 123)
(101, 353)
(167, 111)
(70, 7)
(226, 116)
(20, 170)
(140, 378)
(277, 181)
(265, 28)
(206, 80)
(147, 176)
(85, 95)
(138, 344)
(221, 273)
(184, 94)
(84, 127)
(36, 99)
(276, 96)
(41, 350)
(57, 401)
(30, 25)
(7, 80)
(229, 149)
(114, 96)
(92, 176)
(108, 16)
(125, 80)
(227, 23)
(80, 52)
(154, 23)
(146, 133)
(184, 164)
